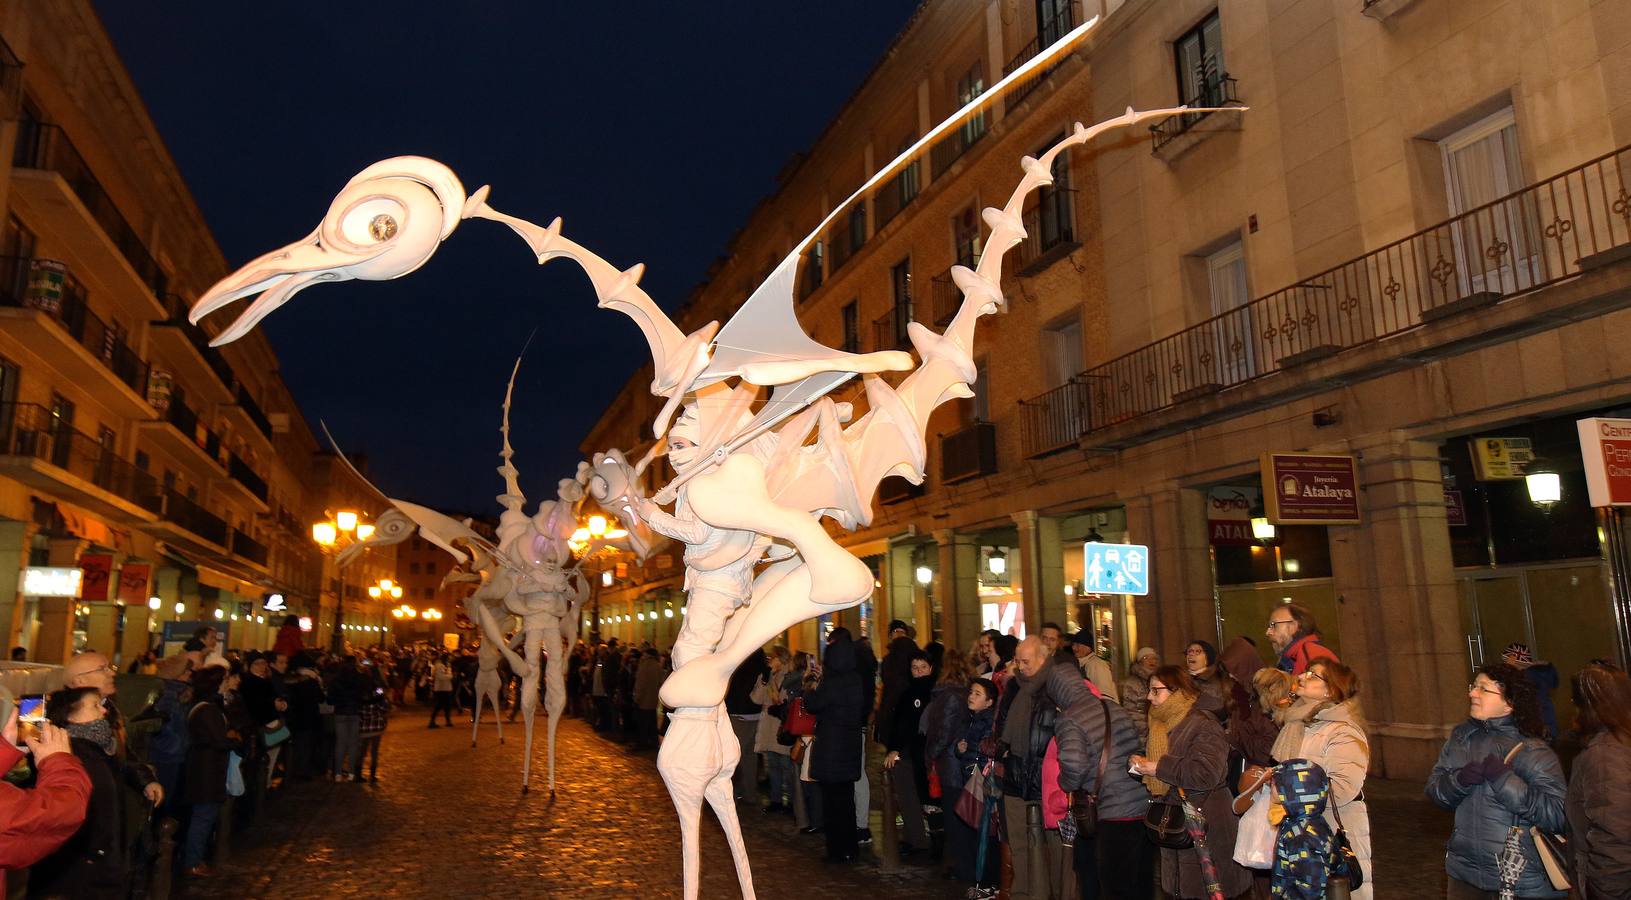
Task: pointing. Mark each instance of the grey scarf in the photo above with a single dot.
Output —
(99, 732)
(1016, 729)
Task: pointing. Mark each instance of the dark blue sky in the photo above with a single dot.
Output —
(652, 128)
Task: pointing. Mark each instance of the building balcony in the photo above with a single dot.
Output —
(1382, 10)
(1047, 32)
(948, 150)
(968, 452)
(248, 549)
(945, 298)
(895, 489)
(1176, 135)
(889, 330)
(1050, 231)
(56, 185)
(1468, 280)
(192, 526)
(177, 430)
(895, 195)
(184, 346)
(42, 452)
(246, 416)
(45, 307)
(248, 486)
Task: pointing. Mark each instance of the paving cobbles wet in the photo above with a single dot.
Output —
(446, 820)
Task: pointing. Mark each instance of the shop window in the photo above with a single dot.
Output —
(1296, 552)
(1502, 526)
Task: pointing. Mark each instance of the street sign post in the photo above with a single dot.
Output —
(1115, 568)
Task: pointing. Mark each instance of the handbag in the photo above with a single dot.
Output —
(275, 733)
(1344, 862)
(799, 722)
(1164, 823)
(1553, 850)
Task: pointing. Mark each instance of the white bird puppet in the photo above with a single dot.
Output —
(754, 475)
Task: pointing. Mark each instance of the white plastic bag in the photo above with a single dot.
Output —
(1254, 841)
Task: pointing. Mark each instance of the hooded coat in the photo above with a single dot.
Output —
(1251, 731)
(1197, 760)
(944, 723)
(1078, 731)
(1530, 793)
(896, 673)
(1336, 742)
(840, 717)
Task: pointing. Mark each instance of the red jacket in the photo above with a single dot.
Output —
(34, 823)
(288, 641)
(1303, 651)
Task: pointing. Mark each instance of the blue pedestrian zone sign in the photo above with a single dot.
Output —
(1115, 568)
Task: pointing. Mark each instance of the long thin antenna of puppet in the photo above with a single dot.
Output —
(512, 499)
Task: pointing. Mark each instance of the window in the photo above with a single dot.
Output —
(812, 269)
(1198, 55)
(1055, 202)
(907, 181)
(857, 226)
(965, 238)
(9, 376)
(1053, 19)
(852, 327)
(62, 430)
(413, 568)
(900, 289)
(142, 461)
(980, 404)
(1496, 249)
(1233, 338)
(970, 86)
(1062, 352)
(428, 593)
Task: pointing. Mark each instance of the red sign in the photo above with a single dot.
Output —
(1605, 448)
(133, 579)
(1307, 489)
(98, 571)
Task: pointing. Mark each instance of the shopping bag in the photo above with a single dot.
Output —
(235, 774)
(971, 802)
(1254, 840)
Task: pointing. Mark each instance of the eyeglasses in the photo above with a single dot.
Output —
(1273, 622)
(1158, 688)
(1312, 674)
(1475, 686)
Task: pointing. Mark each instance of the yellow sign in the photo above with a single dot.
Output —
(1501, 459)
(450, 640)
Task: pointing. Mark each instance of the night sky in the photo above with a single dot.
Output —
(652, 128)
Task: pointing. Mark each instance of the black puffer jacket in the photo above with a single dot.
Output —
(896, 673)
(1078, 731)
(1531, 793)
(95, 861)
(840, 717)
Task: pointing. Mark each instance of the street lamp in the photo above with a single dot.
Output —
(1545, 489)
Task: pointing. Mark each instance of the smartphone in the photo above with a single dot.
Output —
(30, 713)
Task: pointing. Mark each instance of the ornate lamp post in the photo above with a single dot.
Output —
(332, 536)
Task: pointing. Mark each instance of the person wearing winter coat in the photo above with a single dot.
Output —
(1251, 731)
(290, 641)
(1543, 677)
(95, 862)
(904, 745)
(1025, 720)
(167, 747)
(963, 839)
(210, 745)
(778, 757)
(895, 672)
(305, 717)
(1135, 690)
(35, 822)
(1295, 635)
(835, 763)
(1497, 774)
(745, 697)
(1201, 664)
(1598, 803)
(648, 680)
(1189, 752)
(1331, 734)
(1122, 858)
(944, 721)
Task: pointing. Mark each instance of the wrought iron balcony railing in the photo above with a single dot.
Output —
(200, 341)
(951, 148)
(1047, 32)
(48, 286)
(28, 429)
(248, 548)
(46, 147)
(1519, 243)
(1049, 223)
(239, 471)
(253, 411)
(968, 452)
(196, 519)
(1217, 90)
(889, 329)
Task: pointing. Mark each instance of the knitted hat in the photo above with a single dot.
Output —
(1145, 651)
(1517, 653)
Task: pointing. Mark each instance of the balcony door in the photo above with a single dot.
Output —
(1497, 248)
(62, 430)
(1234, 337)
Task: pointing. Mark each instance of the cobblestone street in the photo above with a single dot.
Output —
(446, 821)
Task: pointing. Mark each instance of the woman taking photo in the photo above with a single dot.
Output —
(1188, 751)
(1498, 775)
(1599, 798)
